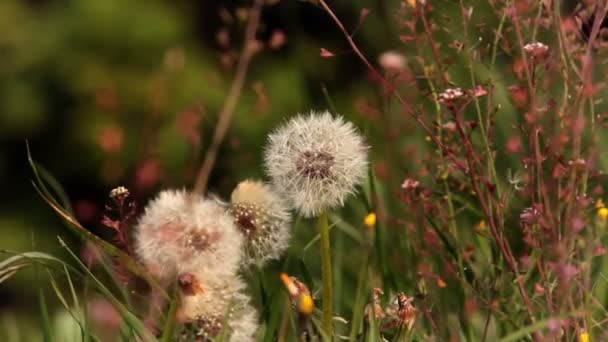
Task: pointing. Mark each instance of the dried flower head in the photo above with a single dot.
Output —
(181, 232)
(537, 50)
(402, 311)
(450, 95)
(220, 307)
(315, 161)
(263, 219)
(375, 307)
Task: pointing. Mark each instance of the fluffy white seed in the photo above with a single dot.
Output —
(263, 219)
(316, 161)
(220, 306)
(180, 232)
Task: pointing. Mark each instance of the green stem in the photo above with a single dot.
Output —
(328, 300)
(171, 322)
(359, 305)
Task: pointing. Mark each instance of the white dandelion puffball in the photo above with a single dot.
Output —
(263, 219)
(184, 232)
(315, 161)
(221, 305)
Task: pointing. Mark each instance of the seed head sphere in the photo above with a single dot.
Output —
(316, 161)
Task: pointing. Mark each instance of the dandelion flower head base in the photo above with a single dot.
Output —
(263, 219)
(251, 219)
(316, 161)
(182, 232)
(201, 241)
(316, 165)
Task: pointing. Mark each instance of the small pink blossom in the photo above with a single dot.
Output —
(410, 184)
(326, 53)
(450, 95)
(537, 50)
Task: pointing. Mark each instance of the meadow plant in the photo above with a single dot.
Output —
(215, 307)
(263, 219)
(315, 161)
(184, 232)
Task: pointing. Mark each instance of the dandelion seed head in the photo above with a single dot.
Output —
(316, 161)
(180, 231)
(220, 306)
(263, 219)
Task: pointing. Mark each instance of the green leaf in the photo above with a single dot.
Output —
(44, 312)
(537, 326)
(10, 271)
(85, 235)
(114, 252)
(272, 327)
(67, 307)
(130, 319)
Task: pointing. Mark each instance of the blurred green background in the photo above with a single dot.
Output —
(111, 93)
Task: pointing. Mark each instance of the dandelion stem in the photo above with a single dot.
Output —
(328, 300)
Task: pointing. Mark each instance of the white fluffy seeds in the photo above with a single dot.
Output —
(220, 307)
(263, 219)
(184, 232)
(315, 161)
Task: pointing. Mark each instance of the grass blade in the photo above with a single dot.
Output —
(114, 252)
(131, 320)
(44, 312)
(171, 321)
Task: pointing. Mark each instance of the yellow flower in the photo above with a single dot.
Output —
(306, 304)
(370, 220)
(584, 337)
(299, 295)
(602, 213)
(481, 226)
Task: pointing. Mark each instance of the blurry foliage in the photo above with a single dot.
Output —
(114, 92)
(107, 92)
